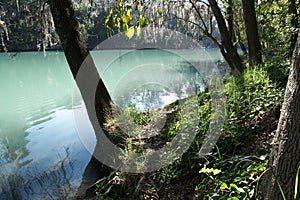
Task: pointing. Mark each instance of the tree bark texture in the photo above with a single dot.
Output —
(294, 23)
(252, 32)
(230, 20)
(98, 101)
(230, 54)
(285, 155)
(76, 53)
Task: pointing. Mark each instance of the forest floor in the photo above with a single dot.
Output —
(184, 187)
(232, 170)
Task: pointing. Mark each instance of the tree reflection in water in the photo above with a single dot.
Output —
(183, 81)
(59, 182)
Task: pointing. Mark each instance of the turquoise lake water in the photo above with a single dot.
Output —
(41, 154)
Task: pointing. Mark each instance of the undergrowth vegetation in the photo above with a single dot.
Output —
(232, 170)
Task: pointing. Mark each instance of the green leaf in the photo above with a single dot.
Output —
(120, 3)
(233, 198)
(109, 22)
(296, 184)
(223, 186)
(216, 171)
(143, 21)
(139, 7)
(128, 12)
(203, 170)
(232, 185)
(240, 190)
(129, 33)
(125, 27)
(198, 187)
(263, 157)
(159, 11)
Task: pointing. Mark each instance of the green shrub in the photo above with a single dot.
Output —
(224, 173)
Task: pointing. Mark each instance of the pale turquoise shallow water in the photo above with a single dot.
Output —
(41, 154)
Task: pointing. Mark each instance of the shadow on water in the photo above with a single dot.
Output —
(41, 156)
(40, 169)
(59, 182)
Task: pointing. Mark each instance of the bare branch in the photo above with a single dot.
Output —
(200, 16)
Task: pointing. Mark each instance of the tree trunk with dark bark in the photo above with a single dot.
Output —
(98, 101)
(252, 32)
(230, 19)
(230, 54)
(285, 155)
(294, 23)
(76, 53)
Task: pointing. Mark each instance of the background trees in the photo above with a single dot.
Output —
(229, 52)
(28, 25)
(254, 46)
(227, 24)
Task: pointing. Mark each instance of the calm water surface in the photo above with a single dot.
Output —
(41, 154)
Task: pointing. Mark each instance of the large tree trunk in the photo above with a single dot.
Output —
(285, 155)
(98, 103)
(76, 53)
(231, 55)
(252, 32)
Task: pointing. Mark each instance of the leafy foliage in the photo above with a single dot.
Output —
(250, 96)
(237, 181)
(275, 27)
(121, 18)
(227, 172)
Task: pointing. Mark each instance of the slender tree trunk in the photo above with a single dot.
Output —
(294, 23)
(230, 19)
(232, 55)
(252, 32)
(98, 103)
(285, 155)
(243, 48)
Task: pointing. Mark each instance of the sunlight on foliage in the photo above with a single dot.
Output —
(127, 18)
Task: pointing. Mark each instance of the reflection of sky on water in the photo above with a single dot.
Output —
(52, 135)
(151, 79)
(41, 154)
(151, 96)
(56, 159)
